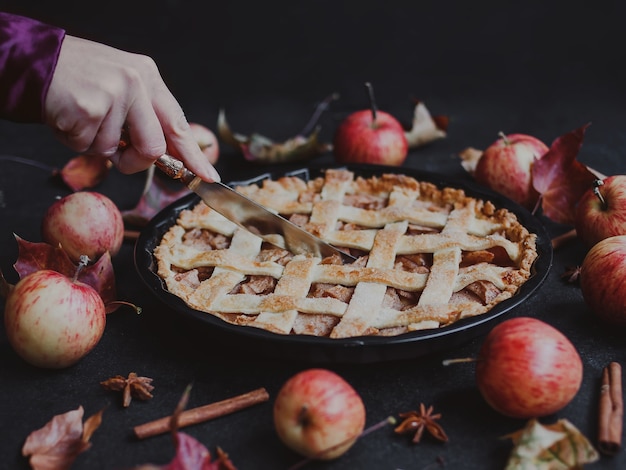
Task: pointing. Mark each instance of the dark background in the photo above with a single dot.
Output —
(541, 68)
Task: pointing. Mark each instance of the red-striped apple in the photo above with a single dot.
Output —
(370, 136)
(51, 320)
(505, 166)
(603, 280)
(601, 211)
(526, 368)
(84, 223)
(318, 414)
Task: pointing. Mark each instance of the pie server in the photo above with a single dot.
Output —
(247, 213)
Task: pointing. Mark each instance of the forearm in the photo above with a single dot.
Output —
(28, 55)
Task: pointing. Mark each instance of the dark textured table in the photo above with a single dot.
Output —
(534, 69)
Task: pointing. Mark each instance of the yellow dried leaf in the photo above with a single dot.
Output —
(469, 159)
(559, 446)
(257, 148)
(425, 128)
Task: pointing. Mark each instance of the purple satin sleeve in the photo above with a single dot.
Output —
(28, 55)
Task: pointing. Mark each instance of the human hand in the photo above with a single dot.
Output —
(97, 90)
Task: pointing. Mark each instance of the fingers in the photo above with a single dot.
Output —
(180, 141)
(156, 124)
(147, 142)
(182, 144)
(97, 90)
(147, 138)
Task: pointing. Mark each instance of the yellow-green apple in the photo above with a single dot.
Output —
(601, 211)
(370, 136)
(318, 414)
(51, 320)
(505, 166)
(207, 141)
(527, 368)
(84, 223)
(603, 280)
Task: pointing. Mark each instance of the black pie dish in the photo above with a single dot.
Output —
(365, 349)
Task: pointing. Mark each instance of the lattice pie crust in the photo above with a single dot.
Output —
(427, 257)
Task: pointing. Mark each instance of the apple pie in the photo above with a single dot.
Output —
(426, 257)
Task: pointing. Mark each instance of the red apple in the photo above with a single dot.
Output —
(505, 166)
(207, 141)
(84, 223)
(370, 136)
(527, 368)
(603, 280)
(318, 414)
(53, 321)
(601, 211)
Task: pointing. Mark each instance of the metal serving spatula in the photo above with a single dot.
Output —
(247, 213)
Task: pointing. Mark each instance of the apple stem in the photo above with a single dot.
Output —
(537, 205)
(26, 161)
(319, 109)
(131, 234)
(596, 190)
(370, 95)
(82, 262)
(560, 240)
(458, 360)
(110, 306)
(389, 420)
(302, 416)
(504, 138)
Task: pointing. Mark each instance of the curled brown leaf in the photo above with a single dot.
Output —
(157, 195)
(85, 171)
(56, 445)
(260, 149)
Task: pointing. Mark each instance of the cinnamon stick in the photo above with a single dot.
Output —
(203, 413)
(611, 413)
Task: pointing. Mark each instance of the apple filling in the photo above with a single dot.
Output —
(426, 258)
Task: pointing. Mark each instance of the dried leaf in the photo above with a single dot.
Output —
(571, 275)
(91, 425)
(193, 455)
(37, 256)
(560, 179)
(259, 149)
(559, 446)
(5, 286)
(84, 172)
(156, 196)
(425, 128)
(101, 277)
(33, 256)
(469, 159)
(56, 445)
(190, 453)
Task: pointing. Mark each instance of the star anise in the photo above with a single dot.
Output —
(571, 274)
(417, 421)
(131, 387)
